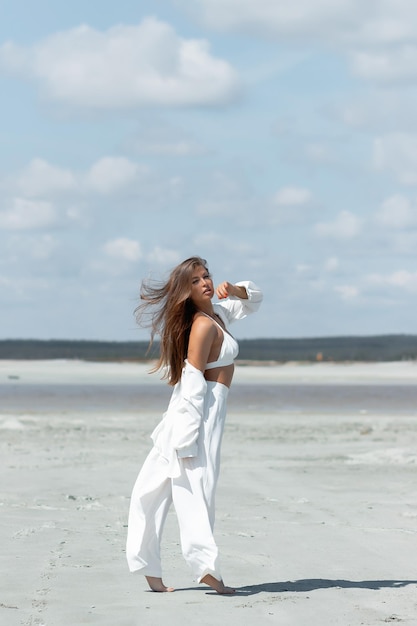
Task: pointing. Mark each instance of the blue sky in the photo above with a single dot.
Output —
(277, 140)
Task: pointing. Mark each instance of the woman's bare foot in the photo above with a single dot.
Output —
(156, 584)
(217, 585)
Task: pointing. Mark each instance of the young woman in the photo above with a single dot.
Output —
(183, 466)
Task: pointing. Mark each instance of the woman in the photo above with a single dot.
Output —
(183, 466)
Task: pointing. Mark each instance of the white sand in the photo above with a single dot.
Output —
(317, 513)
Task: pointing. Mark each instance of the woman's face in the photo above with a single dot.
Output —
(201, 286)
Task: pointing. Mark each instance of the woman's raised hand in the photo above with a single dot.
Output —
(224, 289)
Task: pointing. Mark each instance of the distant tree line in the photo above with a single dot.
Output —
(370, 348)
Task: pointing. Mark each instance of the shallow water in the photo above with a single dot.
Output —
(19, 397)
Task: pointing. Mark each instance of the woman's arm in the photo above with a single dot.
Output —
(226, 289)
(202, 335)
(239, 300)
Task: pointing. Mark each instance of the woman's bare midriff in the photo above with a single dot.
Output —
(223, 375)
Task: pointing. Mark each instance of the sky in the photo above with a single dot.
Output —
(276, 140)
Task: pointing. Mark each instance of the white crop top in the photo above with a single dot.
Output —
(228, 351)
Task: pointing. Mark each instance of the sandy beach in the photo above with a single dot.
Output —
(316, 507)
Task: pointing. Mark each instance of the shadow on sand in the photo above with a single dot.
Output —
(307, 584)
(312, 584)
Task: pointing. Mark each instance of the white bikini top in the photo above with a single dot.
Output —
(228, 351)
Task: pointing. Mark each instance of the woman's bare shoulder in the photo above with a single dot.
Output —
(202, 322)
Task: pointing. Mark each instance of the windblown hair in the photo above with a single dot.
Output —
(169, 311)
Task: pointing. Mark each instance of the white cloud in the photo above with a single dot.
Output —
(26, 214)
(386, 66)
(5, 282)
(124, 249)
(376, 110)
(163, 256)
(397, 212)
(106, 175)
(373, 22)
(292, 196)
(397, 153)
(226, 195)
(218, 207)
(289, 205)
(22, 290)
(404, 242)
(380, 22)
(319, 152)
(112, 173)
(331, 264)
(402, 279)
(211, 242)
(276, 17)
(177, 148)
(378, 35)
(163, 140)
(303, 269)
(41, 178)
(77, 215)
(26, 246)
(43, 246)
(345, 226)
(125, 66)
(347, 292)
(176, 183)
(237, 207)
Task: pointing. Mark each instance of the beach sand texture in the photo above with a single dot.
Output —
(316, 508)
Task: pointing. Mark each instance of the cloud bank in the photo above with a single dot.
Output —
(123, 67)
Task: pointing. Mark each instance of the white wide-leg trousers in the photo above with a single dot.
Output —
(193, 495)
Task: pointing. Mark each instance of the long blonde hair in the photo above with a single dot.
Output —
(169, 311)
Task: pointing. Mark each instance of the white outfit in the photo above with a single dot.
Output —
(183, 466)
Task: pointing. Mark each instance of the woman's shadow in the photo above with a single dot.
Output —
(312, 584)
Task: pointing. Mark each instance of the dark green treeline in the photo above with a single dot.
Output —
(370, 348)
